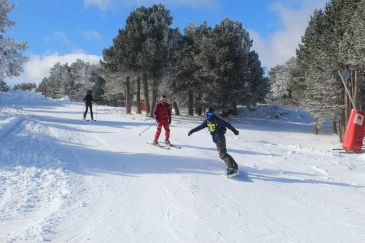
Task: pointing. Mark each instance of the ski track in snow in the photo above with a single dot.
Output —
(67, 180)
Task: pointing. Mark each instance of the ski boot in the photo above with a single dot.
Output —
(232, 171)
(155, 142)
(167, 142)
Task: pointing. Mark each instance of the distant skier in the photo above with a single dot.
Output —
(217, 128)
(89, 104)
(162, 114)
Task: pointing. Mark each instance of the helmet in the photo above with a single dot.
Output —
(210, 113)
(163, 98)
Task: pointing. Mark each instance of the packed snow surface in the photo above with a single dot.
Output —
(63, 179)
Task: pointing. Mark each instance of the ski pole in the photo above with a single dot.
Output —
(96, 111)
(146, 129)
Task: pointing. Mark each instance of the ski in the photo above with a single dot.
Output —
(174, 146)
(159, 146)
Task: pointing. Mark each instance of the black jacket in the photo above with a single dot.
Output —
(217, 128)
(89, 99)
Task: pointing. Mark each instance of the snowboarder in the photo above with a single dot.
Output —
(89, 104)
(217, 128)
(162, 114)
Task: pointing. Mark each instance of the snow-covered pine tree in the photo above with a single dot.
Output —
(319, 56)
(117, 59)
(284, 82)
(80, 73)
(11, 59)
(352, 52)
(55, 83)
(24, 86)
(43, 87)
(3, 86)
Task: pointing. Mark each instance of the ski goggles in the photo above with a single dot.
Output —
(210, 115)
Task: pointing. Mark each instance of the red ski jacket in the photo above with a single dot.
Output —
(162, 112)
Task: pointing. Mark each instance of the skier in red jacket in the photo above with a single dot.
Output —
(162, 114)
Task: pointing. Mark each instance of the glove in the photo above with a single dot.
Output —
(157, 120)
(189, 133)
(236, 132)
(169, 120)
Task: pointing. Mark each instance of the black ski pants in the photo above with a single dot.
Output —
(222, 150)
(91, 110)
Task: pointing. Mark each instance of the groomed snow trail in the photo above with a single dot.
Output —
(67, 180)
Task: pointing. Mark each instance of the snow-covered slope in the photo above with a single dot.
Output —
(63, 179)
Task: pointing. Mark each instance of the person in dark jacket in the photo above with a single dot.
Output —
(162, 114)
(217, 128)
(89, 104)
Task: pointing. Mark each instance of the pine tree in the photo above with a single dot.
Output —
(43, 87)
(141, 49)
(352, 51)
(3, 86)
(25, 86)
(319, 56)
(285, 82)
(55, 84)
(182, 80)
(225, 65)
(81, 73)
(256, 87)
(11, 59)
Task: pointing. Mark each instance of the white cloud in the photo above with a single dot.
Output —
(38, 67)
(102, 4)
(278, 47)
(108, 4)
(92, 36)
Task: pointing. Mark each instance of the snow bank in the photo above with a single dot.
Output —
(275, 112)
(27, 98)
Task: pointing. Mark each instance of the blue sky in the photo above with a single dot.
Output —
(63, 30)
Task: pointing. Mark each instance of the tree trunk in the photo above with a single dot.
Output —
(334, 126)
(355, 90)
(128, 95)
(346, 103)
(146, 95)
(176, 108)
(342, 126)
(139, 96)
(191, 103)
(234, 110)
(315, 127)
(198, 107)
(154, 96)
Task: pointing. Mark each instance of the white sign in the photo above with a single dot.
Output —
(359, 119)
